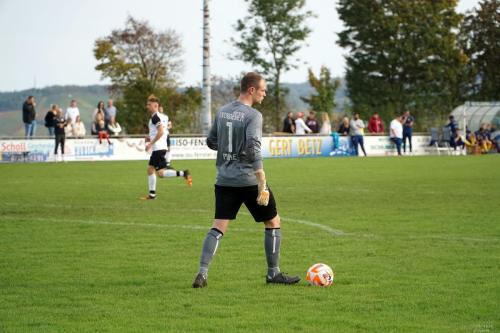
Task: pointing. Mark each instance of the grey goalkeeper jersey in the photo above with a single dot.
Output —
(236, 135)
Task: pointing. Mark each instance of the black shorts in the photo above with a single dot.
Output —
(157, 159)
(168, 141)
(228, 201)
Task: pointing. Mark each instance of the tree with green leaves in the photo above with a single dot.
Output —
(325, 87)
(269, 38)
(480, 40)
(402, 55)
(140, 61)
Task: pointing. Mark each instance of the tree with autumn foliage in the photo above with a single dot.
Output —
(140, 61)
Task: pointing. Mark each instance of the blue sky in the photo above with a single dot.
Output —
(50, 42)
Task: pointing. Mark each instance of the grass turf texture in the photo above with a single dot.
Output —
(420, 253)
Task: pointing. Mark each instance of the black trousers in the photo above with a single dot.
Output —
(60, 138)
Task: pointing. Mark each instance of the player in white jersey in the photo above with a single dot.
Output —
(156, 143)
(168, 126)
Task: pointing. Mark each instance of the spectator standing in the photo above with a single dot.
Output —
(29, 116)
(396, 132)
(288, 123)
(408, 123)
(110, 113)
(357, 132)
(79, 128)
(345, 127)
(452, 125)
(312, 123)
(300, 126)
(99, 113)
(50, 119)
(326, 126)
(60, 133)
(375, 124)
(72, 112)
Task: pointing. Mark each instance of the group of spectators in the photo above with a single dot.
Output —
(482, 141)
(69, 124)
(103, 120)
(400, 132)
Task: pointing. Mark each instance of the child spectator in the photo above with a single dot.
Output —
(60, 133)
(101, 128)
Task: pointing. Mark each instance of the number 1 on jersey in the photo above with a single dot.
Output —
(230, 137)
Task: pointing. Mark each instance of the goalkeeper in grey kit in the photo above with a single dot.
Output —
(236, 136)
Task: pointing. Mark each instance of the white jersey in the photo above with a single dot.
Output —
(156, 121)
(164, 121)
(300, 127)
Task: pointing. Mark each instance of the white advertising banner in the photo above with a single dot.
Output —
(188, 148)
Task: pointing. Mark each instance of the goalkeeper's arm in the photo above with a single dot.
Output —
(254, 155)
(263, 197)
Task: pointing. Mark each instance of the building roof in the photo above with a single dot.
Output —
(478, 113)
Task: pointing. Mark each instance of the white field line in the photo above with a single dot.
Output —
(334, 232)
(128, 224)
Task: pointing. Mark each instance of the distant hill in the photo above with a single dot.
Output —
(297, 90)
(88, 96)
(11, 105)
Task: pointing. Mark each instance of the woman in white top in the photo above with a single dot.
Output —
(79, 128)
(114, 127)
(300, 126)
(326, 126)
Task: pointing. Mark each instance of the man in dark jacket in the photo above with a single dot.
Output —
(288, 123)
(312, 123)
(29, 116)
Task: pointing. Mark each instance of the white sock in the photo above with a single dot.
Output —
(152, 184)
(169, 173)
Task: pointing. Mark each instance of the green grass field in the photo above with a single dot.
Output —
(414, 243)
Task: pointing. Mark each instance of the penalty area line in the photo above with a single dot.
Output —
(127, 224)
